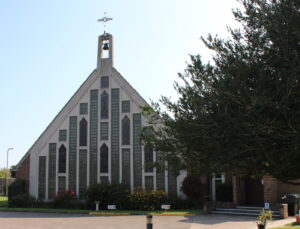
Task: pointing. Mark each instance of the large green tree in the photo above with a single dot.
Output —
(4, 172)
(240, 112)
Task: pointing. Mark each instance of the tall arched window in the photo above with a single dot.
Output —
(62, 159)
(104, 105)
(104, 159)
(125, 131)
(83, 132)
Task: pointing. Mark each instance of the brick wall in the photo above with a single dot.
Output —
(238, 187)
(273, 190)
(270, 189)
(284, 188)
(23, 172)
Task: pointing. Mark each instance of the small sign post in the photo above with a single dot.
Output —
(97, 205)
(111, 207)
(166, 207)
(267, 206)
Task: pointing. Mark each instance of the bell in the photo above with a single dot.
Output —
(105, 46)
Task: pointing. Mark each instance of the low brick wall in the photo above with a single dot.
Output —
(23, 172)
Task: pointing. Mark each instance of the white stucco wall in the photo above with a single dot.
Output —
(61, 121)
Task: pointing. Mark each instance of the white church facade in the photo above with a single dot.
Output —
(95, 138)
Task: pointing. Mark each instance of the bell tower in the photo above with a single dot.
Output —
(105, 47)
(105, 51)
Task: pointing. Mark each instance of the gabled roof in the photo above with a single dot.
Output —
(61, 116)
(129, 89)
(65, 111)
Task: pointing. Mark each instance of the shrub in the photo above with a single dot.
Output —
(178, 203)
(65, 199)
(194, 189)
(224, 192)
(16, 188)
(22, 201)
(108, 193)
(147, 199)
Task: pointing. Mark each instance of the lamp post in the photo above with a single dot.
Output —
(6, 174)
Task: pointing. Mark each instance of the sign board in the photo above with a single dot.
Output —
(165, 206)
(111, 207)
(267, 205)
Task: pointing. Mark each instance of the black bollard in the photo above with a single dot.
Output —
(149, 222)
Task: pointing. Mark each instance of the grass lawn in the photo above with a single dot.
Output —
(290, 225)
(3, 201)
(171, 212)
(46, 210)
(293, 227)
(4, 207)
(125, 212)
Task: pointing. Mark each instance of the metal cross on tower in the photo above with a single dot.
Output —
(105, 20)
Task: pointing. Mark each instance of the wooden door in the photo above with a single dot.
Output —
(254, 192)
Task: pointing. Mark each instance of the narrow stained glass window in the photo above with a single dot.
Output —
(83, 108)
(62, 135)
(125, 131)
(104, 82)
(104, 159)
(104, 130)
(62, 159)
(104, 105)
(125, 106)
(83, 132)
(148, 158)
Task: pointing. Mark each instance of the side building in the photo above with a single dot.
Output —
(95, 138)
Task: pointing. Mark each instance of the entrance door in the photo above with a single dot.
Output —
(254, 192)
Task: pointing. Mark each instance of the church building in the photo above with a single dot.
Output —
(95, 138)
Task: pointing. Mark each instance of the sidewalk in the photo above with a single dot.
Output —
(228, 222)
(281, 222)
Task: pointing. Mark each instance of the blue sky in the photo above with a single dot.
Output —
(48, 48)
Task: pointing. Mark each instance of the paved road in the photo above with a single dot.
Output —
(14, 220)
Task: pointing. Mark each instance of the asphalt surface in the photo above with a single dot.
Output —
(19, 220)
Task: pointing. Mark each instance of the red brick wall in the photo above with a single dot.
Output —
(238, 186)
(284, 188)
(23, 172)
(270, 189)
(275, 189)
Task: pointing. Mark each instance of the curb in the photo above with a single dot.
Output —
(154, 214)
(99, 213)
(173, 214)
(37, 211)
(107, 213)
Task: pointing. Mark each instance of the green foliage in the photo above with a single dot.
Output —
(3, 172)
(264, 217)
(22, 201)
(178, 203)
(194, 189)
(108, 194)
(293, 227)
(16, 188)
(3, 201)
(65, 199)
(120, 195)
(141, 199)
(224, 192)
(239, 113)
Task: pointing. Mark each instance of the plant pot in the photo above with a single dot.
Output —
(261, 226)
(298, 219)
